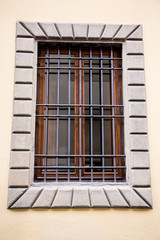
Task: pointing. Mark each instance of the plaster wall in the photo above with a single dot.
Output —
(96, 224)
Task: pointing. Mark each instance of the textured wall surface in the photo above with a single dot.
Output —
(82, 223)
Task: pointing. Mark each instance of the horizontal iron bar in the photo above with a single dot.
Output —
(79, 116)
(78, 167)
(78, 68)
(79, 105)
(77, 155)
(82, 58)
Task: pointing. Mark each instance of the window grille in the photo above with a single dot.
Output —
(79, 114)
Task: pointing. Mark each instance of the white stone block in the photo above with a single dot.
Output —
(141, 177)
(95, 30)
(80, 30)
(34, 28)
(22, 107)
(135, 77)
(145, 193)
(136, 93)
(135, 62)
(65, 30)
(115, 198)
(24, 59)
(21, 141)
(14, 194)
(21, 31)
(137, 109)
(137, 34)
(124, 31)
(19, 178)
(63, 197)
(45, 198)
(28, 198)
(80, 197)
(139, 142)
(25, 44)
(132, 197)
(139, 159)
(135, 47)
(138, 125)
(20, 159)
(98, 197)
(23, 75)
(110, 30)
(22, 124)
(23, 91)
(50, 30)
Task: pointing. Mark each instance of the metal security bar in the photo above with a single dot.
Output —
(79, 114)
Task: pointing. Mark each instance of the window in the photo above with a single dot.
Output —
(116, 174)
(79, 120)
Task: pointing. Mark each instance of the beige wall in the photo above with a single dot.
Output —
(81, 224)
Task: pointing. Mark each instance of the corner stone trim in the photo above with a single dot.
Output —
(23, 193)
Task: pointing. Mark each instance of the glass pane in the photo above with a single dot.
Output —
(72, 85)
(97, 162)
(87, 136)
(72, 137)
(51, 162)
(97, 136)
(63, 137)
(108, 136)
(106, 87)
(96, 87)
(63, 87)
(52, 90)
(86, 87)
(52, 133)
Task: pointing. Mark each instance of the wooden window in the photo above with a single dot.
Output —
(79, 114)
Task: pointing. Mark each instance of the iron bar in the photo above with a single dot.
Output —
(69, 120)
(91, 120)
(78, 68)
(78, 155)
(102, 128)
(80, 122)
(113, 120)
(80, 167)
(57, 136)
(46, 120)
(82, 58)
(85, 116)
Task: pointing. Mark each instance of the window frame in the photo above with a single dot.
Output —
(23, 192)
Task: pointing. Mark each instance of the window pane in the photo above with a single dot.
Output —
(108, 136)
(96, 87)
(63, 87)
(52, 132)
(63, 137)
(96, 136)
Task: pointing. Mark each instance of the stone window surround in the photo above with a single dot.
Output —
(23, 192)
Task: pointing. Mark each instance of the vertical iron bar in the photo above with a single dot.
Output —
(113, 112)
(91, 120)
(46, 122)
(102, 112)
(80, 159)
(57, 137)
(69, 120)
